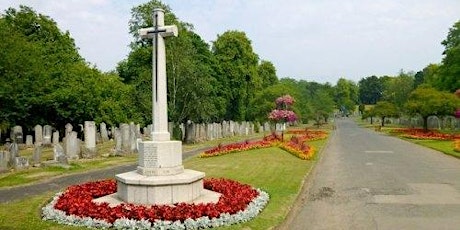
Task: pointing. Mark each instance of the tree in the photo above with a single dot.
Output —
(370, 90)
(267, 72)
(384, 109)
(397, 89)
(346, 95)
(323, 106)
(188, 59)
(449, 72)
(237, 72)
(427, 101)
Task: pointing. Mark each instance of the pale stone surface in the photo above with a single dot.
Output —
(125, 137)
(56, 137)
(47, 133)
(36, 156)
(16, 134)
(72, 145)
(104, 133)
(90, 135)
(29, 140)
(160, 177)
(139, 189)
(38, 134)
(68, 129)
(118, 141)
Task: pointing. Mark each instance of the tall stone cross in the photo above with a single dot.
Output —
(159, 98)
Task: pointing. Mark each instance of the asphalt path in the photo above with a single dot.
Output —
(368, 180)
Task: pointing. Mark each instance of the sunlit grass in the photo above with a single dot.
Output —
(272, 169)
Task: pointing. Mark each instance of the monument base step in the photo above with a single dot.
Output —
(207, 196)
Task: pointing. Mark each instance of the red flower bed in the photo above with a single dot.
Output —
(77, 200)
(299, 148)
(295, 146)
(236, 147)
(309, 135)
(422, 134)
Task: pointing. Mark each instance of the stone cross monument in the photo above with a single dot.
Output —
(160, 177)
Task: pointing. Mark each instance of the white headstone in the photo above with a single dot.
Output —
(90, 136)
(68, 129)
(104, 133)
(38, 134)
(125, 137)
(56, 137)
(16, 134)
(72, 145)
(47, 133)
(29, 140)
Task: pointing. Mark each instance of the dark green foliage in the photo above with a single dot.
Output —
(45, 81)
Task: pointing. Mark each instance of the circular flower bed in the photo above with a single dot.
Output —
(75, 206)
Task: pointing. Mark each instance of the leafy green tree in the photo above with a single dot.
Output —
(322, 105)
(188, 59)
(427, 101)
(237, 72)
(397, 89)
(449, 73)
(267, 72)
(346, 95)
(370, 90)
(384, 109)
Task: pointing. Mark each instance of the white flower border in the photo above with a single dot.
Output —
(252, 210)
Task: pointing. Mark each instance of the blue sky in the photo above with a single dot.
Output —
(315, 40)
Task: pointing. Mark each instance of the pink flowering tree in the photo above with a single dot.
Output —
(283, 113)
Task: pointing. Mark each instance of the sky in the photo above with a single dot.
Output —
(313, 40)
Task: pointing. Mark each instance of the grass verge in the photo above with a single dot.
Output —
(272, 169)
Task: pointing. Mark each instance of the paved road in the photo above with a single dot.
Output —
(367, 180)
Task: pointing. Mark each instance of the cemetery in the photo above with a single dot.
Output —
(207, 136)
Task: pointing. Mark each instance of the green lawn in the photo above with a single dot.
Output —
(446, 147)
(272, 169)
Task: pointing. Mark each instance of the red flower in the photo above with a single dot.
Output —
(77, 200)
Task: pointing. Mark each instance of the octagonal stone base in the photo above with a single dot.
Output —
(135, 188)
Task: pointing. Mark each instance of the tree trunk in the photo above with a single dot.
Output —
(383, 121)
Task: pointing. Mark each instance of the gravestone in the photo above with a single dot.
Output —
(104, 133)
(47, 133)
(118, 141)
(190, 134)
(90, 138)
(21, 163)
(55, 137)
(267, 127)
(72, 146)
(125, 137)
(37, 156)
(68, 129)
(38, 134)
(16, 134)
(160, 177)
(4, 159)
(29, 140)
(13, 149)
(132, 137)
(59, 155)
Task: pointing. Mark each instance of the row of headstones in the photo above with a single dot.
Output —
(434, 122)
(205, 132)
(72, 147)
(126, 138)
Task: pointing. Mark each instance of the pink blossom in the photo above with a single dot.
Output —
(279, 115)
(457, 113)
(285, 100)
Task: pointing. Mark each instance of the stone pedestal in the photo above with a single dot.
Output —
(135, 188)
(160, 177)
